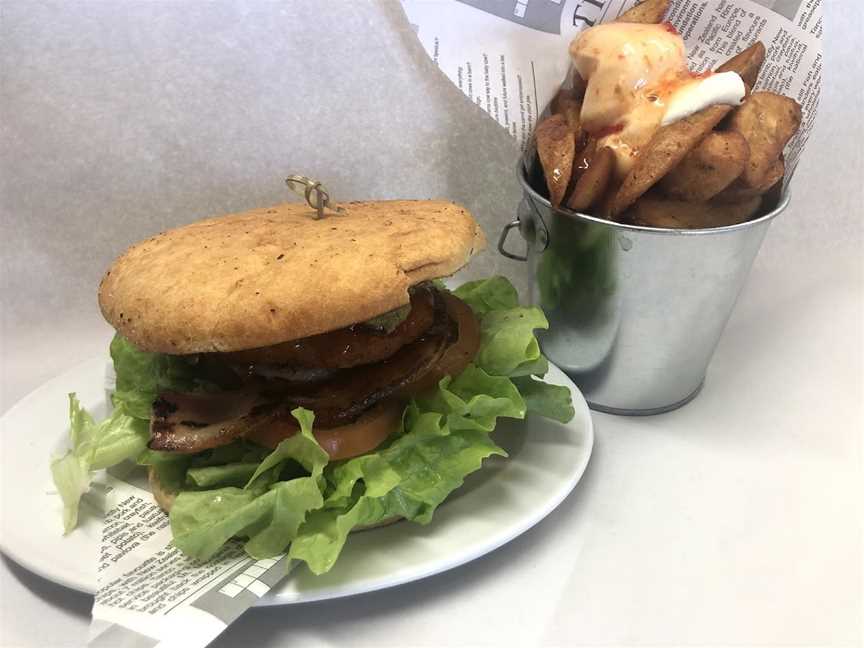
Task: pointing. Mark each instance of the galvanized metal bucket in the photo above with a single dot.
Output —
(635, 313)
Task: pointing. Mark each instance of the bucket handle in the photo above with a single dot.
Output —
(530, 223)
(502, 240)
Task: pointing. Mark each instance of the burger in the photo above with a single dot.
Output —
(286, 379)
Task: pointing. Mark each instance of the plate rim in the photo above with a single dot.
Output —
(272, 598)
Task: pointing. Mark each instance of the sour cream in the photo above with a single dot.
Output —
(691, 97)
(637, 80)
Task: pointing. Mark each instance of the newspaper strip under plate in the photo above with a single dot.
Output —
(150, 594)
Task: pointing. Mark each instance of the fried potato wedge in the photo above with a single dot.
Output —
(707, 169)
(565, 104)
(583, 158)
(647, 12)
(746, 63)
(678, 214)
(664, 152)
(593, 181)
(560, 100)
(579, 84)
(556, 147)
(738, 191)
(767, 121)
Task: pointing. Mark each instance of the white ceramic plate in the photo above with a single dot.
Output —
(496, 504)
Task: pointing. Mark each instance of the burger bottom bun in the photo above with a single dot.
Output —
(165, 499)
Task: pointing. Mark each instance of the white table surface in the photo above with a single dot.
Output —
(736, 520)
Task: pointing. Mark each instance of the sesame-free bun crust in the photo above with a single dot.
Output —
(164, 498)
(276, 274)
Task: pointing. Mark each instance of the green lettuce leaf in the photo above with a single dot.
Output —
(94, 446)
(431, 466)
(444, 439)
(71, 477)
(409, 479)
(141, 375)
(302, 448)
(474, 400)
(324, 533)
(507, 344)
(374, 472)
(202, 521)
(551, 401)
(485, 295)
(267, 513)
(233, 474)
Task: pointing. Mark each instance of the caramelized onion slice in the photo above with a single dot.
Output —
(354, 391)
(343, 348)
(202, 407)
(189, 437)
(189, 423)
(459, 354)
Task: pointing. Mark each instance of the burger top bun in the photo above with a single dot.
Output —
(276, 274)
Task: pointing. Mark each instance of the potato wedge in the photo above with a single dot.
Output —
(746, 63)
(564, 104)
(649, 11)
(579, 84)
(561, 98)
(664, 151)
(707, 169)
(677, 214)
(583, 158)
(767, 121)
(738, 191)
(592, 184)
(556, 147)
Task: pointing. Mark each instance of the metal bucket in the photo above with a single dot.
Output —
(635, 313)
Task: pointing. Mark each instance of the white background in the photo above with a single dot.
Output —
(736, 520)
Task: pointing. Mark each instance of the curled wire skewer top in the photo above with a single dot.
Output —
(315, 193)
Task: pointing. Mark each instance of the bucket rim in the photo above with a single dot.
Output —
(782, 204)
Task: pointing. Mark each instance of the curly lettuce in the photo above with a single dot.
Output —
(94, 446)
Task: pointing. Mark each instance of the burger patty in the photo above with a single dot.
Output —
(189, 423)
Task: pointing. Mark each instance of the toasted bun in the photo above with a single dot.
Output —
(163, 497)
(165, 500)
(276, 274)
